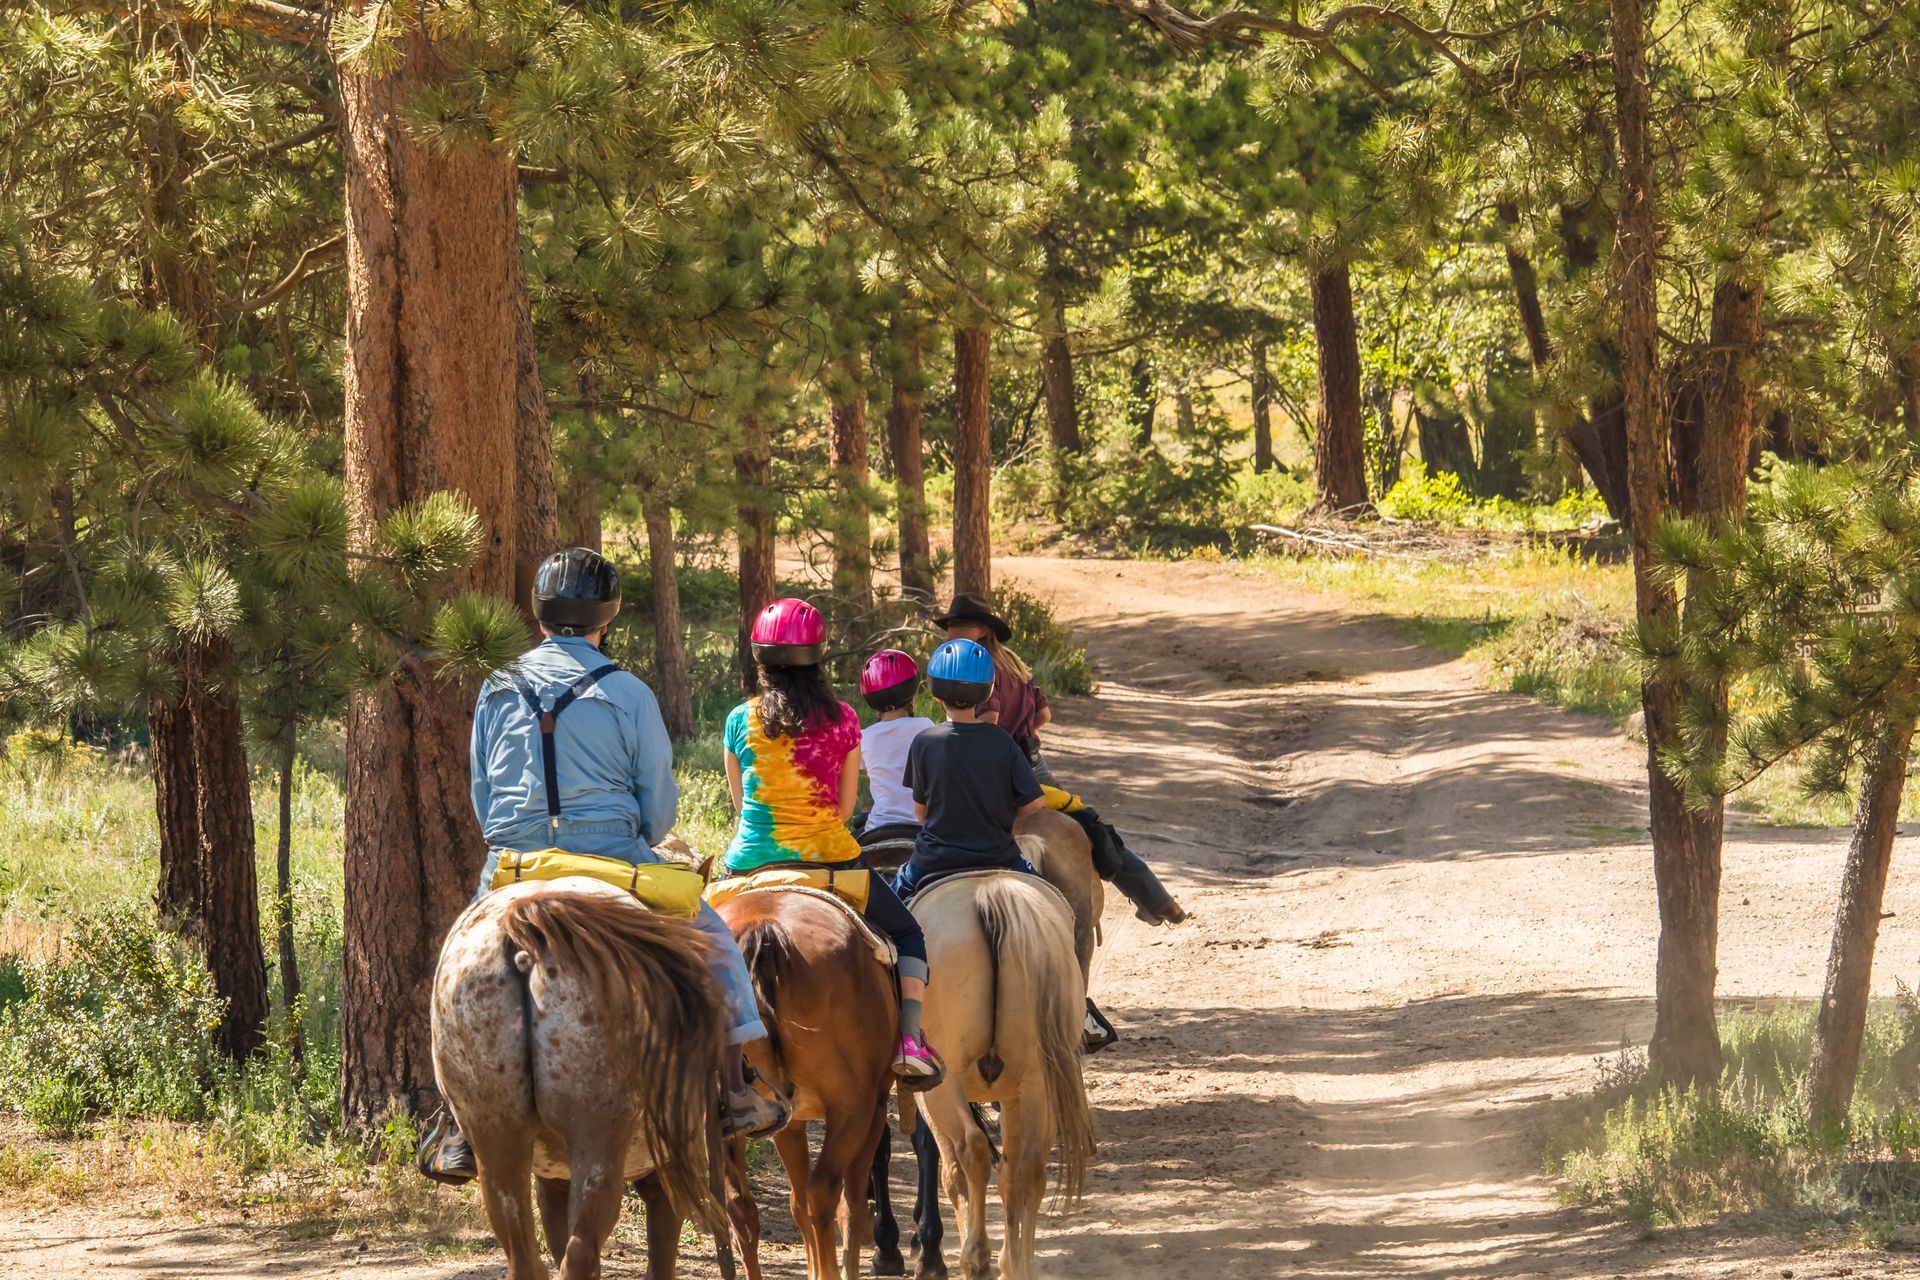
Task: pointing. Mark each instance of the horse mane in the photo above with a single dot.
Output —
(1024, 933)
(649, 977)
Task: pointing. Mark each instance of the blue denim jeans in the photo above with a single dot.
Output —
(743, 1011)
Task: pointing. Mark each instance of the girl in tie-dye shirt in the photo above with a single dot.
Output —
(793, 766)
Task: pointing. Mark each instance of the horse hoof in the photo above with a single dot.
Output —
(888, 1262)
(931, 1269)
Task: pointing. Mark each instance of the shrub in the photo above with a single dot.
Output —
(1438, 497)
(120, 1022)
(1663, 1157)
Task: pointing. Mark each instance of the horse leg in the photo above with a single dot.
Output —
(967, 1160)
(791, 1143)
(843, 1148)
(596, 1162)
(856, 1217)
(663, 1229)
(1026, 1137)
(508, 1161)
(929, 1233)
(887, 1260)
(553, 1195)
(743, 1215)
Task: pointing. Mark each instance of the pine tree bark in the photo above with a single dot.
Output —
(669, 629)
(1056, 369)
(1340, 438)
(1685, 1048)
(536, 498)
(283, 892)
(906, 449)
(1262, 408)
(229, 923)
(580, 512)
(1842, 1022)
(1145, 397)
(852, 471)
(170, 749)
(753, 477)
(433, 401)
(972, 460)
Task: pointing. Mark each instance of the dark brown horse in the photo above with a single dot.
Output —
(829, 1005)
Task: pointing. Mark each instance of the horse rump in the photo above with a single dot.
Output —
(649, 977)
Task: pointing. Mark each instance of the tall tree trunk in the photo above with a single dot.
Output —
(1056, 368)
(1340, 436)
(536, 532)
(1144, 393)
(580, 511)
(1262, 408)
(1686, 1046)
(852, 523)
(1598, 439)
(229, 924)
(170, 746)
(283, 884)
(753, 477)
(1183, 409)
(433, 402)
(669, 630)
(905, 448)
(972, 460)
(1842, 1022)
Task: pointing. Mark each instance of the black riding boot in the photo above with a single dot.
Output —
(1128, 872)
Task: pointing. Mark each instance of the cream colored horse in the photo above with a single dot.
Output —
(578, 1037)
(1059, 850)
(1005, 1008)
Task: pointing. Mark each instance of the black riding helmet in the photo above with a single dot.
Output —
(575, 591)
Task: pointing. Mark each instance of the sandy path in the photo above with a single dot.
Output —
(1424, 911)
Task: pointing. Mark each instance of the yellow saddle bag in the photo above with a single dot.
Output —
(664, 886)
(850, 884)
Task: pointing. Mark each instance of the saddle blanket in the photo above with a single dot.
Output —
(766, 880)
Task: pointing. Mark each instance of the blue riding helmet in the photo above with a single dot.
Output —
(961, 673)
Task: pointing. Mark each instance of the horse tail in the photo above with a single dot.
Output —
(1031, 947)
(648, 976)
(768, 947)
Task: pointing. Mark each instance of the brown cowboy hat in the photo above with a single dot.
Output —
(967, 607)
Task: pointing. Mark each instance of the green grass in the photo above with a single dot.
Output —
(1661, 1158)
(1545, 621)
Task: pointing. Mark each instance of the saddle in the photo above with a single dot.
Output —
(888, 847)
(770, 880)
(665, 887)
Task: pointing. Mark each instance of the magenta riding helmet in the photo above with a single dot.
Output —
(789, 633)
(889, 680)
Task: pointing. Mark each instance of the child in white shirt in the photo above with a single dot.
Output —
(888, 683)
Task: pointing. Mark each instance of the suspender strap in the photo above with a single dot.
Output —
(548, 716)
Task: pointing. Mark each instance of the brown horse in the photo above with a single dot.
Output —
(829, 1004)
(578, 1039)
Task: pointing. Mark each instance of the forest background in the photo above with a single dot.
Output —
(332, 321)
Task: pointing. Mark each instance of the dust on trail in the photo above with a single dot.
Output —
(1424, 911)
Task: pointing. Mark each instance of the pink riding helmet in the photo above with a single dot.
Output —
(889, 680)
(789, 633)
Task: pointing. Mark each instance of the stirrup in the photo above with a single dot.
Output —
(427, 1157)
(1096, 1033)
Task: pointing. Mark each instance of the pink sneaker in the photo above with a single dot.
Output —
(917, 1064)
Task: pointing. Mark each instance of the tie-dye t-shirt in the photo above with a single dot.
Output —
(790, 810)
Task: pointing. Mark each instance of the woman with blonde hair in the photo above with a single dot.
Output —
(1020, 707)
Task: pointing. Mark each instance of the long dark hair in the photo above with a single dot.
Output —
(795, 699)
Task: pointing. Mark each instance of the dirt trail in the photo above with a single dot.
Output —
(1424, 910)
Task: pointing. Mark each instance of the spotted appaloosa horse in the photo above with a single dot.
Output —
(578, 1038)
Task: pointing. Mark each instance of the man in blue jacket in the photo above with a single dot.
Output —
(606, 787)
